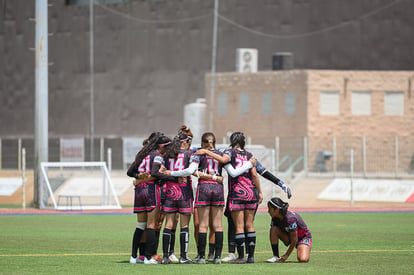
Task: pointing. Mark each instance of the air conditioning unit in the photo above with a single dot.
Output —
(246, 60)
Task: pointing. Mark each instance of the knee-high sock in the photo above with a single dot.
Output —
(157, 240)
(202, 239)
(219, 244)
(166, 242)
(142, 249)
(136, 241)
(240, 239)
(172, 244)
(211, 247)
(184, 239)
(251, 243)
(275, 249)
(150, 247)
(230, 235)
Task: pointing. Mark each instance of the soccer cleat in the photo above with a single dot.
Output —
(185, 261)
(274, 259)
(158, 258)
(217, 261)
(140, 259)
(166, 260)
(197, 257)
(211, 258)
(250, 260)
(239, 261)
(150, 261)
(173, 258)
(132, 260)
(200, 260)
(229, 258)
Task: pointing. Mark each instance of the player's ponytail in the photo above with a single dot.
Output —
(278, 203)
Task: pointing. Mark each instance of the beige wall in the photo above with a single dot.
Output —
(255, 124)
(346, 124)
(378, 129)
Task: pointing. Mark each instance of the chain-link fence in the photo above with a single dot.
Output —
(373, 156)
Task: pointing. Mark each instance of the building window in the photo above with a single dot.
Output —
(244, 104)
(266, 103)
(329, 103)
(394, 103)
(361, 103)
(290, 103)
(222, 104)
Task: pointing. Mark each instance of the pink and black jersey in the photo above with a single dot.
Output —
(210, 166)
(293, 222)
(146, 163)
(175, 190)
(241, 187)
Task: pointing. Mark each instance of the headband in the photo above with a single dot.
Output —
(274, 204)
(164, 144)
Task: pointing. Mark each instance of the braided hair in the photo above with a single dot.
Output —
(174, 148)
(152, 143)
(276, 202)
(237, 139)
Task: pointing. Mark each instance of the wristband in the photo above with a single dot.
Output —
(215, 177)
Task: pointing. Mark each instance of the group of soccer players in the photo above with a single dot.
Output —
(163, 191)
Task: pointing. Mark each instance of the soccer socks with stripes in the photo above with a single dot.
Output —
(251, 243)
(219, 244)
(136, 241)
(275, 249)
(166, 242)
(172, 243)
(240, 239)
(184, 236)
(202, 240)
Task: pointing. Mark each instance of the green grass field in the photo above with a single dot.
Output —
(343, 243)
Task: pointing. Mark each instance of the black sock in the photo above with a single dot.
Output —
(142, 249)
(166, 242)
(219, 244)
(135, 241)
(240, 239)
(202, 240)
(157, 240)
(251, 243)
(172, 244)
(184, 236)
(211, 247)
(150, 247)
(230, 235)
(275, 249)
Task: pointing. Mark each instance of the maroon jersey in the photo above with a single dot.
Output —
(293, 222)
(210, 166)
(175, 190)
(146, 163)
(241, 187)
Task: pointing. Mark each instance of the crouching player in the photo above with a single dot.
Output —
(291, 229)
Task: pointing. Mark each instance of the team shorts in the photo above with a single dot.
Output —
(147, 197)
(209, 194)
(181, 206)
(237, 205)
(305, 241)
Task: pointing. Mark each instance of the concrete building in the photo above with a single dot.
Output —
(369, 111)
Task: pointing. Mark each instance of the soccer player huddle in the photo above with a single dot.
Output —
(162, 172)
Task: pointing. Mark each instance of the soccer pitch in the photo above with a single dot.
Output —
(343, 243)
